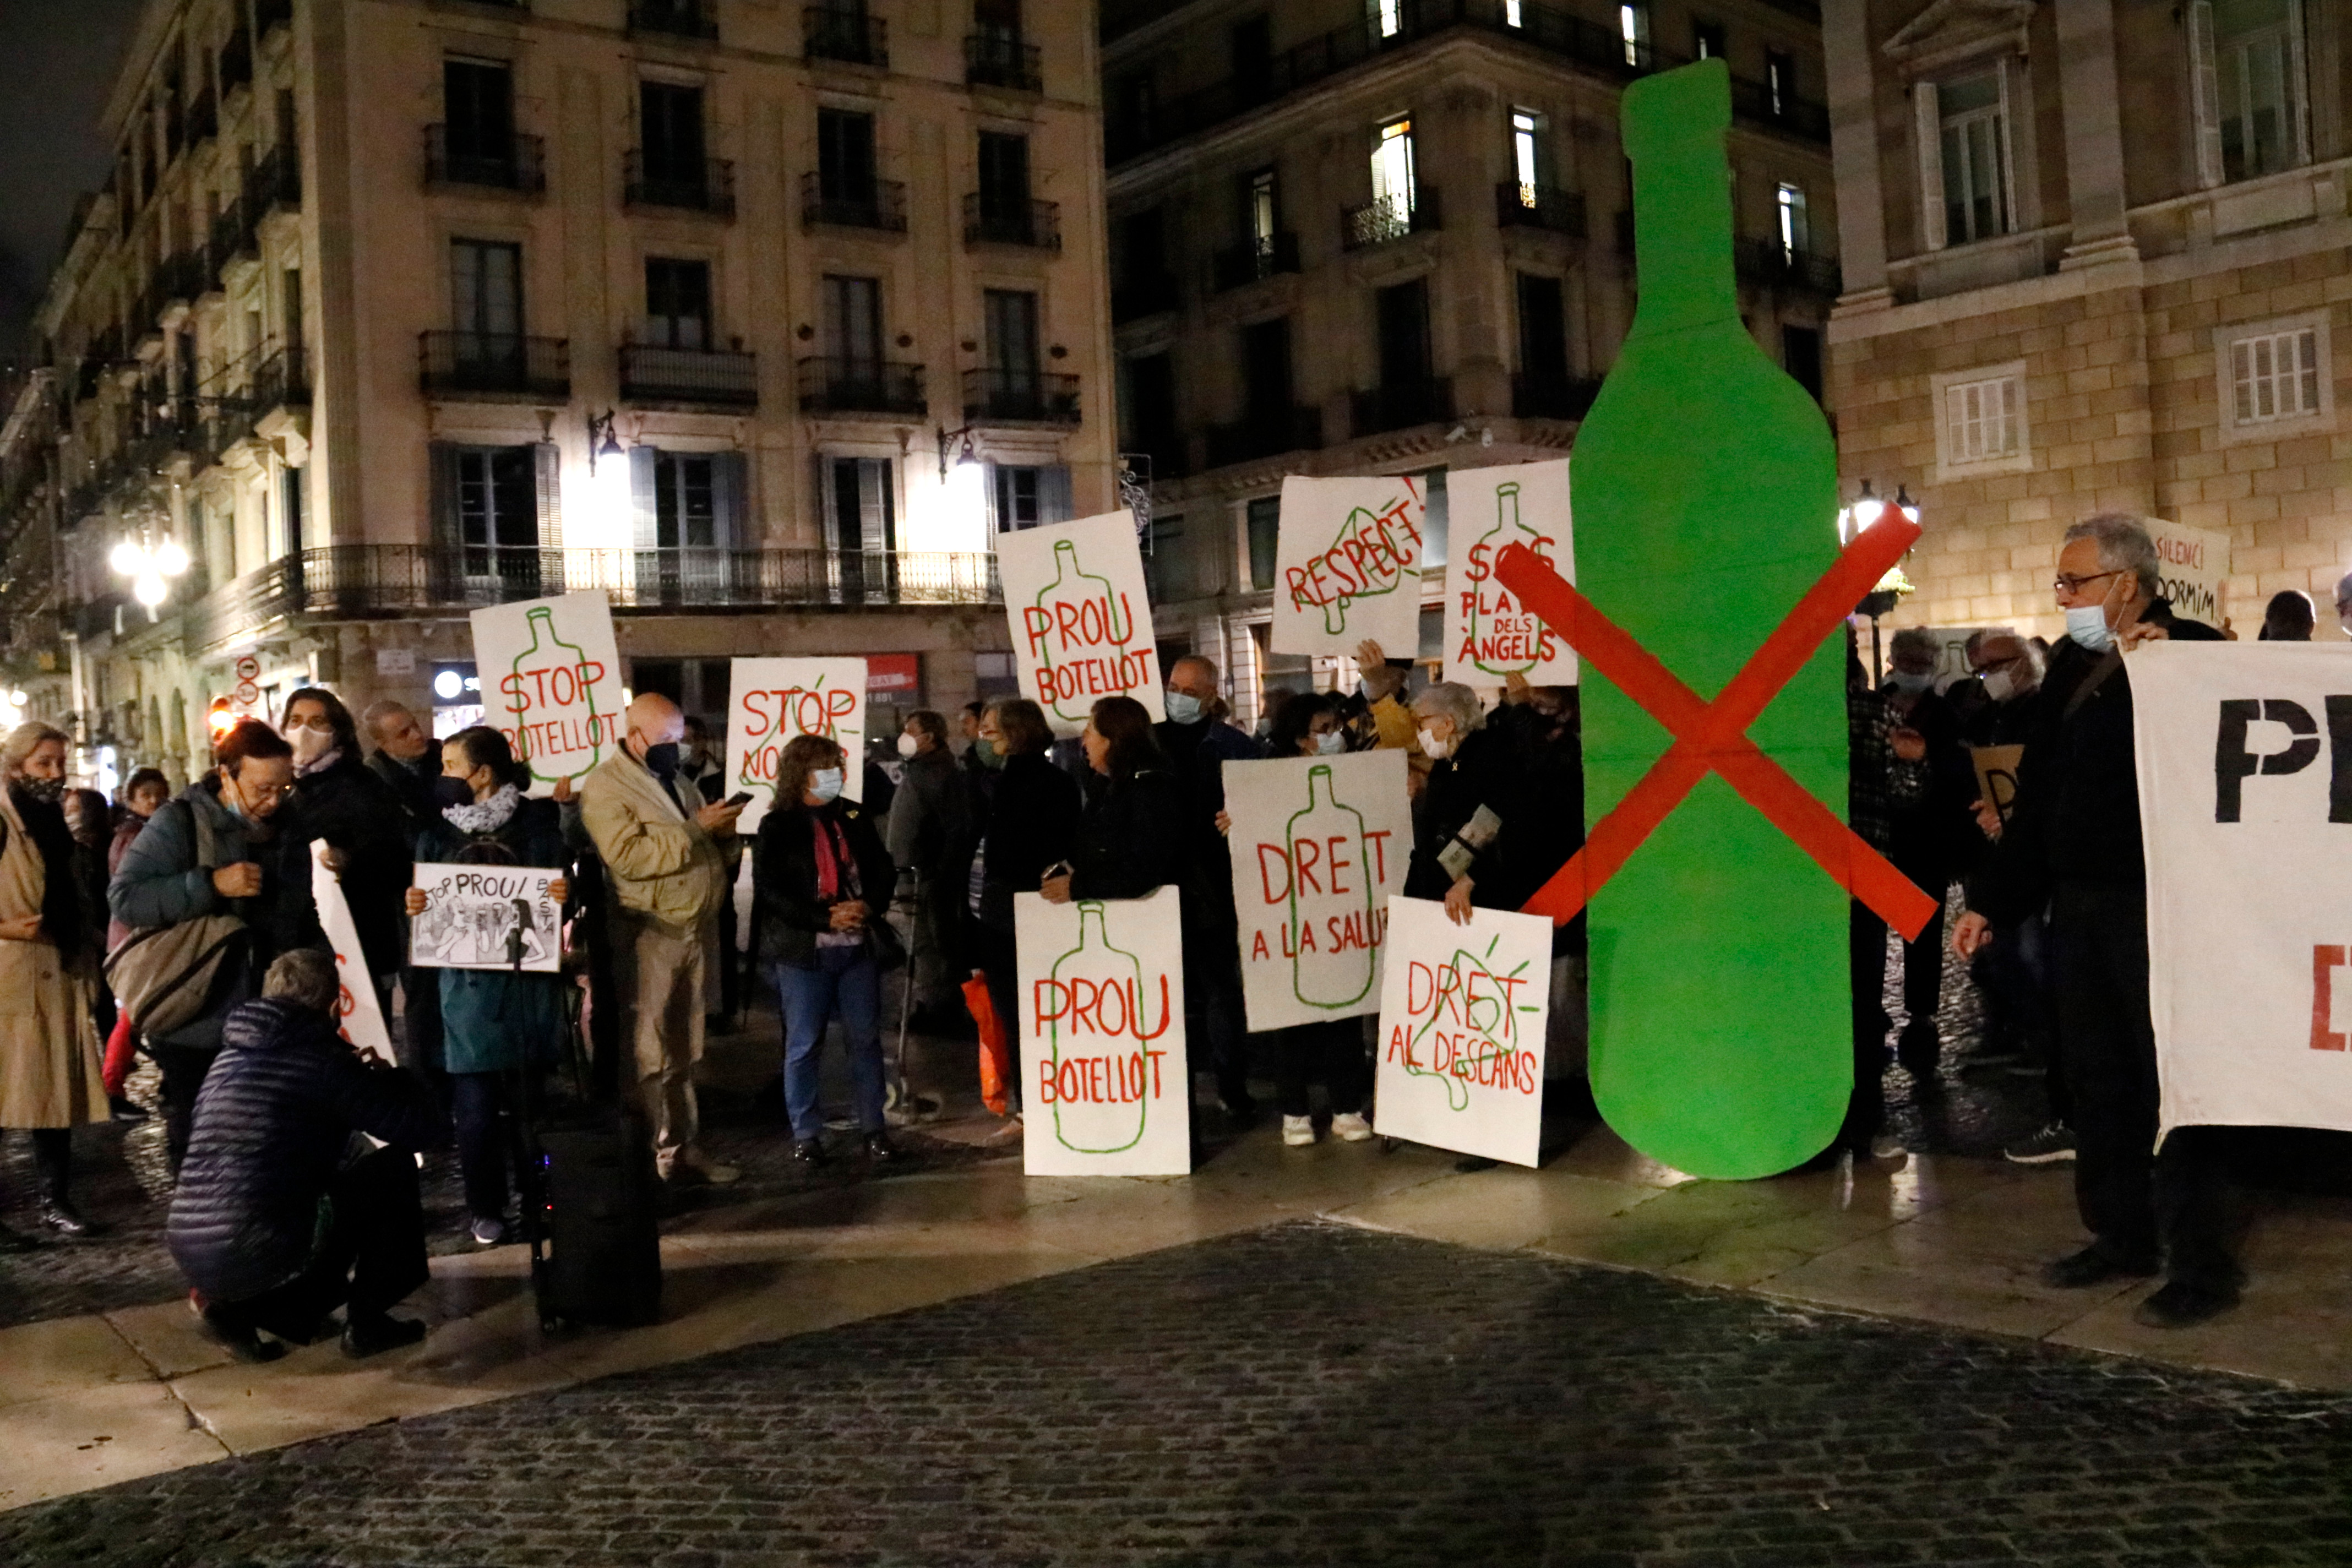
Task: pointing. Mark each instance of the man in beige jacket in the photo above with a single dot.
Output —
(665, 856)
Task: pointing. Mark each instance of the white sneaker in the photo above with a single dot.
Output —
(1298, 1131)
(1352, 1127)
(489, 1232)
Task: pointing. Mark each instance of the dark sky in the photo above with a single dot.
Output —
(62, 56)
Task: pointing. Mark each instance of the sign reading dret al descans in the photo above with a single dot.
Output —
(1489, 635)
(1347, 565)
(769, 701)
(551, 676)
(2195, 564)
(1319, 843)
(1463, 1016)
(1081, 622)
(1105, 1089)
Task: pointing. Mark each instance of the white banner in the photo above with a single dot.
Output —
(1081, 621)
(1488, 633)
(1318, 845)
(472, 912)
(1462, 1015)
(1105, 1088)
(2245, 778)
(550, 678)
(2196, 566)
(771, 701)
(358, 1016)
(1347, 565)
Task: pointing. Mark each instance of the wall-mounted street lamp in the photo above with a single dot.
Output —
(602, 440)
(149, 570)
(969, 455)
(1865, 509)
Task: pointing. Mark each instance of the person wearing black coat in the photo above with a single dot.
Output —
(1031, 819)
(822, 883)
(1130, 836)
(274, 1222)
(338, 799)
(1455, 851)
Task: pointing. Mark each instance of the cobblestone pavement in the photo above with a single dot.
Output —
(1304, 1395)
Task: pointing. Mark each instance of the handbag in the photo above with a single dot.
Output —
(885, 945)
(162, 975)
(995, 1055)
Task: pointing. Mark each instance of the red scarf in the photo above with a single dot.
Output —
(836, 871)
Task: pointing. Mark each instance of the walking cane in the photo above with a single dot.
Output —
(906, 995)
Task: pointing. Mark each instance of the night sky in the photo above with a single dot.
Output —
(62, 56)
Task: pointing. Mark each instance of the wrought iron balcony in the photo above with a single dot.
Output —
(1769, 261)
(1546, 207)
(268, 16)
(651, 373)
(834, 386)
(1037, 225)
(1265, 435)
(1536, 396)
(236, 62)
(675, 18)
(204, 119)
(276, 181)
(995, 395)
(1400, 405)
(708, 186)
(496, 365)
(1385, 219)
(283, 380)
(518, 164)
(881, 206)
(1145, 294)
(844, 33)
(992, 59)
(232, 239)
(1254, 260)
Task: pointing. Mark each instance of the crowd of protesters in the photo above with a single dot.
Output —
(201, 909)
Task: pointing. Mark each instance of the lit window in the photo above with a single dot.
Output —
(1526, 153)
(1513, 14)
(1391, 16)
(2275, 376)
(1796, 233)
(1633, 27)
(1392, 176)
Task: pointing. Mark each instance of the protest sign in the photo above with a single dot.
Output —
(358, 1016)
(1348, 565)
(1996, 774)
(550, 681)
(1463, 1017)
(1318, 845)
(1952, 651)
(1489, 635)
(1105, 1089)
(472, 914)
(2195, 563)
(1081, 622)
(769, 701)
(2244, 757)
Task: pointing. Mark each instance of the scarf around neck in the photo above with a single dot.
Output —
(484, 816)
(319, 764)
(837, 869)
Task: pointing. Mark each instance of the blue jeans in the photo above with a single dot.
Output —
(842, 980)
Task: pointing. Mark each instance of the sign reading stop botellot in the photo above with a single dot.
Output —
(771, 701)
(552, 683)
(2244, 757)
(1347, 565)
(1081, 622)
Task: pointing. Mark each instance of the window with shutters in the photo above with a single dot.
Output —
(1980, 424)
(1974, 144)
(1264, 526)
(495, 512)
(2249, 75)
(2273, 376)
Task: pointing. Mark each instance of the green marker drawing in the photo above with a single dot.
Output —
(1079, 607)
(1331, 935)
(1372, 554)
(552, 674)
(1099, 1088)
(1511, 650)
(1485, 1010)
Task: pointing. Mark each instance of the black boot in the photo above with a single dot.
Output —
(53, 1154)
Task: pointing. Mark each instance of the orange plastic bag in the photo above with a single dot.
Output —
(995, 1052)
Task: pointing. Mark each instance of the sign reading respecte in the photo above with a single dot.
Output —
(771, 701)
(552, 683)
(2244, 757)
(1489, 635)
(1463, 1016)
(1348, 565)
(1318, 845)
(1081, 622)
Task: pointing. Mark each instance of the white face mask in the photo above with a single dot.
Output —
(1910, 682)
(1330, 743)
(908, 745)
(2001, 686)
(1433, 748)
(825, 783)
(310, 742)
(2087, 625)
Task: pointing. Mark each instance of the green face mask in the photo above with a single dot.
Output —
(985, 750)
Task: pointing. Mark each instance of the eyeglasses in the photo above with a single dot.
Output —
(2065, 582)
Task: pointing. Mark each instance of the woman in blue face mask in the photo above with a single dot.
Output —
(821, 881)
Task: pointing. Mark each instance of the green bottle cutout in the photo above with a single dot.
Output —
(1080, 602)
(1705, 495)
(1109, 1115)
(1514, 653)
(553, 673)
(1329, 968)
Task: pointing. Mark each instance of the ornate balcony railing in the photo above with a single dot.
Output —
(1254, 260)
(1546, 207)
(493, 365)
(283, 380)
(992, 59)
(1769, 261)
(1037, 225)
(1386, 219)
(844, 33)
(1400, 405)
(834, 386)
(882, 205)
(707, 186)
(994, 394)
(521, 165)
(652, 373)
(236, 62)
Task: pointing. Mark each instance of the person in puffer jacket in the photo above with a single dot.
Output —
(275, 1223)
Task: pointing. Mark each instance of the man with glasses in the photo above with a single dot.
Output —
(2071, 844)
(225, 846)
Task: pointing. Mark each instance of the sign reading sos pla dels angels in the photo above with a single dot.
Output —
(1489, 635)
(771, 701)
(1081, 624)
(552, 683)
(1348, 565)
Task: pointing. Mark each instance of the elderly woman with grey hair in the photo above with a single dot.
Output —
(49, 1077)
(1465, 809)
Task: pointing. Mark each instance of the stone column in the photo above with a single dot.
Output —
(1854, 154)
(2095, 135)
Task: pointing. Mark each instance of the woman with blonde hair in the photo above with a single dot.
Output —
(49, 1080)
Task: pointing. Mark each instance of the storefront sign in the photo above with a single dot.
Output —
(769, 701)
(1081, 622)
(552, 683)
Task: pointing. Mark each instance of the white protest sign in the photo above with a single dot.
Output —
(552, 683)
(2195, 563)
(1488, 633)
(2244, 757)
(1462, 1015)
(358, 1016)
(1318, 845)
(1081, 622)
(1105, 1088)
(773, 701)
(1347, 565)
(471, 913)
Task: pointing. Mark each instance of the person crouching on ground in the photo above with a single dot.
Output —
(274, 1223)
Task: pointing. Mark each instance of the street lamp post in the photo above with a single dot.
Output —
(1865, 509)
(149, 568)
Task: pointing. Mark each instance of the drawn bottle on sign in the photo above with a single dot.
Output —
(1368, 558)
(1078, 604)
(548, 675)
(1328, 851)
(1475, 1011)
(1509, 650)
(1096, 979)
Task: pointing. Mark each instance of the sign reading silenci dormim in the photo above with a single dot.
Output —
(1348, 565)
(1489, 635)
(1464, 1010)
(2244, 759)
(551, 678)
(1318, 845)
(773, 701)
(472, 914)
(2195, 566)
(1081, 622)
